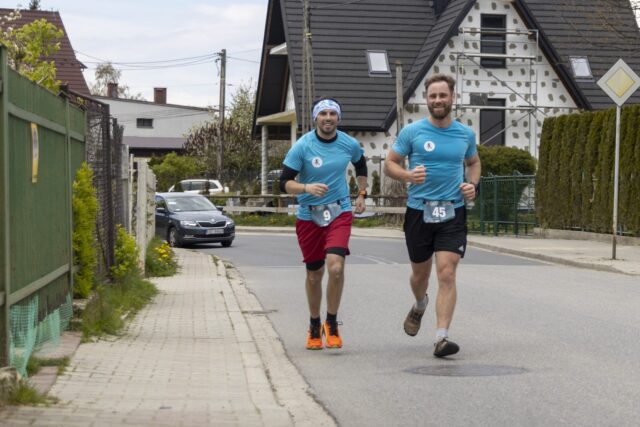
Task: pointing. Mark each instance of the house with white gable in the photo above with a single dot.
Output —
(516, 62)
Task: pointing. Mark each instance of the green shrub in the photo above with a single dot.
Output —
(160, 259)
(126, 256)
(173, 168)
(499, 160)
(353, 185)
(499, 198)
(375, 185)
(85, 207)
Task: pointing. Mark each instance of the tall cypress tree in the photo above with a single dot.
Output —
(577, 172)
(603, 203)
(543, 171)
(563, 179)
(589, 182)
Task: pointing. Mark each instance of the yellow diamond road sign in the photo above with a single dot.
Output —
(619, 82)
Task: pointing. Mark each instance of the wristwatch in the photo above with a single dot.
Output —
(362, 193)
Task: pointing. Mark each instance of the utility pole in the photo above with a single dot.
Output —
(223, 83)
(308, 89)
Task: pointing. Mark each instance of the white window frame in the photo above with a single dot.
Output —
(375, 58)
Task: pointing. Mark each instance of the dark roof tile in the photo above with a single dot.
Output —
(69, 69)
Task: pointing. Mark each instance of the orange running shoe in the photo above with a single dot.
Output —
(314, 338)
(332, 336)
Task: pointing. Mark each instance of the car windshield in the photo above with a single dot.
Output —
(188, 204)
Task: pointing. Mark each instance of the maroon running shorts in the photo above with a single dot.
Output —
(315, 240)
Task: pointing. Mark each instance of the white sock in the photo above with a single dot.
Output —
(441, 333)
(422, 304)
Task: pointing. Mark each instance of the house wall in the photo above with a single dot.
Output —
(168, 120)
(532, 80)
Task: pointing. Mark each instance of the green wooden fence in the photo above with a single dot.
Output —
(41, 147)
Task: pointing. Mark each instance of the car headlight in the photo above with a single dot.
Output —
(188, 223)
(229, 222)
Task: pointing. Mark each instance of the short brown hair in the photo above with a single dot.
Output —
(451, 82)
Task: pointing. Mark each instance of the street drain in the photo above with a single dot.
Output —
(467, 370)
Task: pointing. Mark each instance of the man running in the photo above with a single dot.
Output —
(438, 148)
(324, 217)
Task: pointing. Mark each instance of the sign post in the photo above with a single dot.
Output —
(619, 83)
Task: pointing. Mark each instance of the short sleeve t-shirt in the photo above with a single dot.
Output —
(318, 161)
(442, 152)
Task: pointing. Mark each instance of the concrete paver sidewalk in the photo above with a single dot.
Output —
(188, 359)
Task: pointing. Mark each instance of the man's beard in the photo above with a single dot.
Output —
(440, 116)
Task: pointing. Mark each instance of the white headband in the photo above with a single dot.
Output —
(326, 104)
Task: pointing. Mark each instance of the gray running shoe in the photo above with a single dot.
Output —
(412, 322)
(444, 348)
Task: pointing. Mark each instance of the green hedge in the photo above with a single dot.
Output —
(574, 186)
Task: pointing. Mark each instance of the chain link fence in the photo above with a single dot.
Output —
(108, 159)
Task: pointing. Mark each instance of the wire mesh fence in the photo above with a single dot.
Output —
(506, 205)
(105, 152)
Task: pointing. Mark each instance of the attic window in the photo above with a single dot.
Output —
(378, 63)
(281, 49)
(580, 66)
(144, 123)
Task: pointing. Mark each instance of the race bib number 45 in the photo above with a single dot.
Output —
(438, 211)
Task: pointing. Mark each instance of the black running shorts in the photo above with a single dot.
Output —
(424, 239)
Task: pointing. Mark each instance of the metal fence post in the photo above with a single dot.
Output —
(481, 201)
(515, 206)
(495, 206)
(5, 331)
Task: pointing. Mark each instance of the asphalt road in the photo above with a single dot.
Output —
(540, 344)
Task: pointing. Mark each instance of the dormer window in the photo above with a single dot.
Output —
(580, 66)
(281, 49)
(378, 63)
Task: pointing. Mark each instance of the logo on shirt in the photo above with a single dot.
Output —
(316, 162)
(429, 146)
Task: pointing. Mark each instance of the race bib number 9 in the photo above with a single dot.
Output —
(324, 215)
(436, 211)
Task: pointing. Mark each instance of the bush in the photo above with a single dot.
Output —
(160, 260)
(499, 160)
(85, 207)
(353, 185)
(127, 255)
(173, 168)
(111, 303)
(375, 185)
(499, 198)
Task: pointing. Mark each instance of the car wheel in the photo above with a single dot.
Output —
(174, 238)
(227, 243)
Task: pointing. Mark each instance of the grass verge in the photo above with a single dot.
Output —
(25, 394)
(111, 304)
(282, 220)
(35, 363)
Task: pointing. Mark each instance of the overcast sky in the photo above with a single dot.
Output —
(129, 31)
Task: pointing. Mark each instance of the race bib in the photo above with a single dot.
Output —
(323, 215)
(438, 211)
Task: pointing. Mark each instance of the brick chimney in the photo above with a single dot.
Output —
(160, 95)
(112, 90)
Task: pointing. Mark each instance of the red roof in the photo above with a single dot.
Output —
(69, 69)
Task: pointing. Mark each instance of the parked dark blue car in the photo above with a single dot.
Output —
(186, 218)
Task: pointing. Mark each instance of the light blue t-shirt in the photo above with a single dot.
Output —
(323, 162)
(442, 152)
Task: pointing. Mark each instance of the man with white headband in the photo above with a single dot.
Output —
(323, 226)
